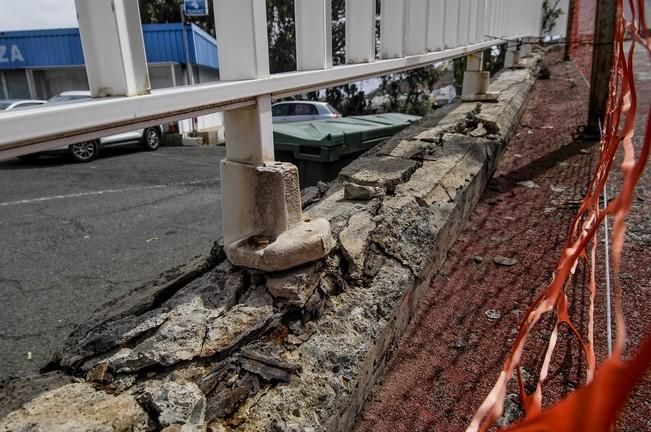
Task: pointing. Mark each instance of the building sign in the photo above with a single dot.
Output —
(195, 7)
(11, 54)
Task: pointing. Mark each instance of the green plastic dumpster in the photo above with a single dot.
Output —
(320, 148)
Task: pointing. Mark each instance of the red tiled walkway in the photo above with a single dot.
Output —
(452, 352)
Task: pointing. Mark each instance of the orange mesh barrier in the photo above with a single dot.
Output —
(594, 407)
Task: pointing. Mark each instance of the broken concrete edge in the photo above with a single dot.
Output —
(231, 348)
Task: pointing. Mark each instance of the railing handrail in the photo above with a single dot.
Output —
(47, 127)
(260, 197)
(102, 116)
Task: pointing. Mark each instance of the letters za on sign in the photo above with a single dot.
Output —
(10, 54)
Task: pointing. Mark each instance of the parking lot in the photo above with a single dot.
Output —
(77, 235)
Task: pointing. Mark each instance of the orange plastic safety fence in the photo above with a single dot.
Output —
(594, 407)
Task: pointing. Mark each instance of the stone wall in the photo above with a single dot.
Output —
(217, 347)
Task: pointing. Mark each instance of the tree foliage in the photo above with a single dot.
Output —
(169, 11)
(282, 35)
(551, 12)
(409, 91)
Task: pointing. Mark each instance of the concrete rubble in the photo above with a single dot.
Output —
(211, 346)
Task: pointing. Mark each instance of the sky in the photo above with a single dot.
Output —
(37, 14)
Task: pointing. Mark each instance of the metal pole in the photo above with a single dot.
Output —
(602, 58)
(609, 326)
(569, 30)
(189, 74)
(609, 323)
(3, 81)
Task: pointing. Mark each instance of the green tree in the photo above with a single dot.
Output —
(409, 91)
(169, 11)
(282, 35)
(551, 12)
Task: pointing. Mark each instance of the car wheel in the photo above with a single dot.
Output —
(85, 151)
(30, 157)
(151, 139)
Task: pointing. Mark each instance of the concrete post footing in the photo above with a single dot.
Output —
(475, 87)
(512, 59)
(263, 224)
(303, 243)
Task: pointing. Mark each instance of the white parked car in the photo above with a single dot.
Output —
(13, 104)
(150, 138)
(292, 111)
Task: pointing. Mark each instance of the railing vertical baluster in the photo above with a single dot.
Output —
(241, 29)
(243, 53)
(313, 34)
(482, 23)
(472, 28)
(513, 22)
(497, 31)
(502, 17)
(392, 28)
(536, 12)
(113, 46)
(451, 20)
(243, 46)
(463, 22)
(490, 18)
(360, 31)
(435, 25)
(415, 26)
(260, 198)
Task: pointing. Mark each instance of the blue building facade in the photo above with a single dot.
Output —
(38, 64)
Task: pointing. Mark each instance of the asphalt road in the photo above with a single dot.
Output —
(77, 235)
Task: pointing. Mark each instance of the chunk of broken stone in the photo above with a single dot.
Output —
(294, 286)
(353, 191)
(512, 410)
(310, 195)
(264, 371)
(505, 261)
(492, 314)
(270, 360)
(78, 407)
(479, 131)
(323, 187)
(193, 330)
(228, 396)
(528, 184)
(175, 404)
(354, 240)
(459, 345)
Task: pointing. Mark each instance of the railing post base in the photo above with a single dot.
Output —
(525, 49)
(476, 82)
(263, 224)
(512, 59)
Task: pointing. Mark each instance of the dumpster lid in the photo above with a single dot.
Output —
(323, 130)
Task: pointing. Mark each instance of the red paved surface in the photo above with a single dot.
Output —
(451, 354)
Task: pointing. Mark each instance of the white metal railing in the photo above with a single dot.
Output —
(413, 33)
(453, 28)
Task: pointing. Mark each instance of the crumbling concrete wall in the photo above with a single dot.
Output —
(217, 347)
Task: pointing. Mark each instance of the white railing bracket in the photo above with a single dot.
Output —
(476, 81)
